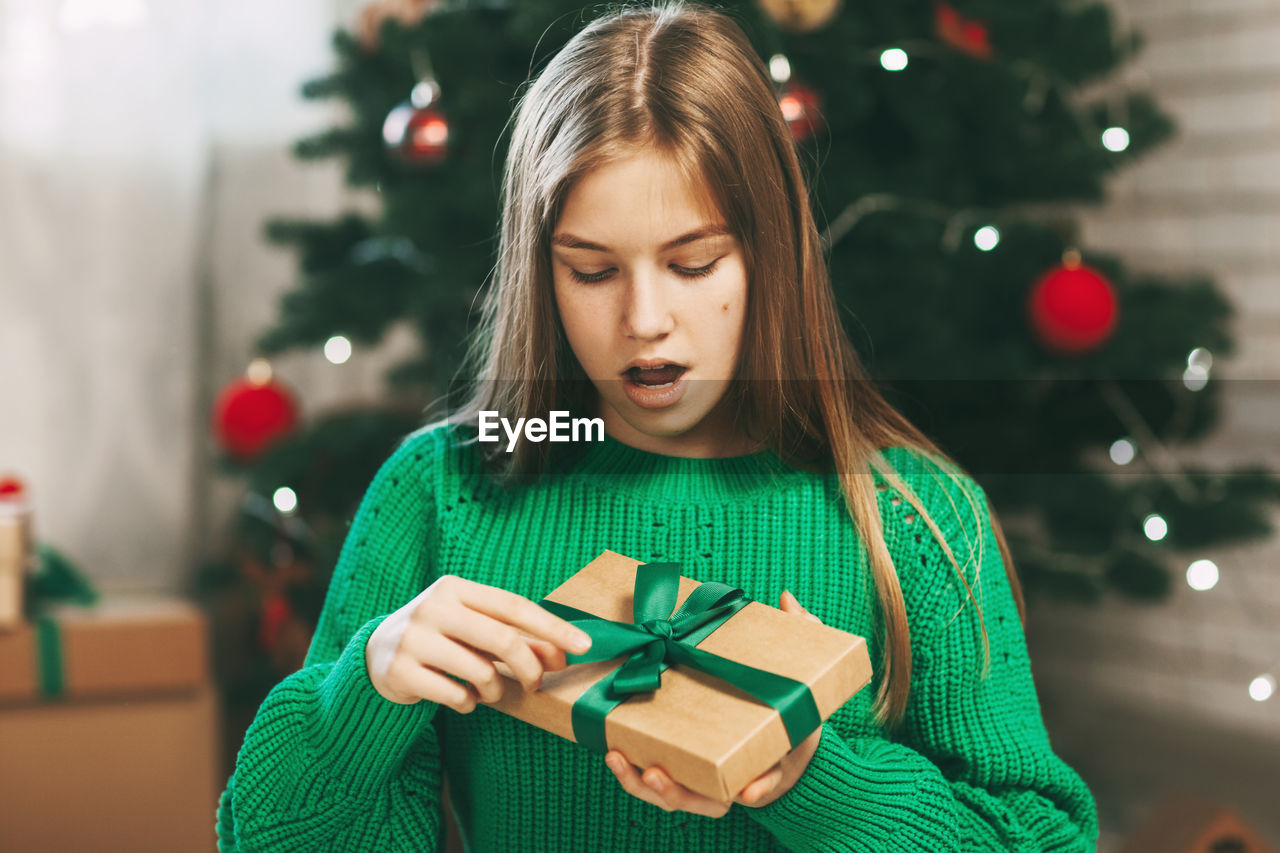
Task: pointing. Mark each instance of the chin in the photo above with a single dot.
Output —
(659, 423)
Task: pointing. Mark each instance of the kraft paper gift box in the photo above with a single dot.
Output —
(710, 736)
(109, 739)
(13, 562)
(120, 647)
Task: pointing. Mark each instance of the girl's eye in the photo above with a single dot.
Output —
(588, 278)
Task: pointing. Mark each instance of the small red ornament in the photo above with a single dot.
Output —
(965, 35)
(276, 611)
(251, 413)
(12, 488)
(417, 134)
(1072, 308)
(802, 108)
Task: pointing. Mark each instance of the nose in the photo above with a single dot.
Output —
(648, 312)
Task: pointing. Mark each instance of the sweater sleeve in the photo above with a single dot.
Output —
(328, 763)
(972, 768)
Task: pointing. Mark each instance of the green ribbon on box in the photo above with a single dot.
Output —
(658, 639)
(56, 580)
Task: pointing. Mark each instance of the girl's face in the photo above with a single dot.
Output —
(647, 275)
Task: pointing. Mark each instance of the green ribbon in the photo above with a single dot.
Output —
(658, 639)
(56, 580)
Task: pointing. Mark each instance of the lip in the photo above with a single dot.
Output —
(656, 398)
(652, 362)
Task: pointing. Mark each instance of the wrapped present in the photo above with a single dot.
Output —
(12, 574)
(697, 678)
(108, 739)
(15, 558)
(120, 647)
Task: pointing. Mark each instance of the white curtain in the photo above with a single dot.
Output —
(142, 145)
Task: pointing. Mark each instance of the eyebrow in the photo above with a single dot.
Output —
(569, 241)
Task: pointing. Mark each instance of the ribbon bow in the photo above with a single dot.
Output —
(56, 580)
(658, 639)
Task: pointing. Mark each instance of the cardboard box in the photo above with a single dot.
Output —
(710, 736)
(110, 776)
(119, 647)
(126, 758)
(13, 560)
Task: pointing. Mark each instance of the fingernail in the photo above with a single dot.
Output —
(654, 781)
(612, 761)
(581, 642)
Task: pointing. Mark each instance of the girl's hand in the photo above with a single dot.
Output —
(457, 627)
(656, 787)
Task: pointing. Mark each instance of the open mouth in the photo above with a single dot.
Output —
(656, 377)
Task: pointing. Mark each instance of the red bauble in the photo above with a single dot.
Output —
(276, 611)
(12, 488)
(248, 416)
(417, 135)
(964, 34)
(1072, 309)
(802, 108)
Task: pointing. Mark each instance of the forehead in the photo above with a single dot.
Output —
(643, 189)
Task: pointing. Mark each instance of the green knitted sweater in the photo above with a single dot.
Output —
(328, 764)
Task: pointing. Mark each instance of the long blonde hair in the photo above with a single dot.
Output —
(684, 79)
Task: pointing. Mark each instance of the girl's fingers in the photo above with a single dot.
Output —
(518, 611)
(762, 786)
(791, 604)
(421, 682)
(489, 636)
(454, 658)
(656, 787)
(550, 656)
(630, 780)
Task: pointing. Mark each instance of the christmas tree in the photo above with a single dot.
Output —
(945, 144)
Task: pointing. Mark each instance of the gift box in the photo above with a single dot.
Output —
(108, 729)
(118, 647)
(713, 687)
(13, 563)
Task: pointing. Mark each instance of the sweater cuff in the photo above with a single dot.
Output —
(362, 734)
(858, 796)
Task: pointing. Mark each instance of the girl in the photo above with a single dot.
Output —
(660, 269)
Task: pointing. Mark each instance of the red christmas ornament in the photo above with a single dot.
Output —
(1072, 308)
(965, 35)
(276, 611)
(251, 413)
(12, 488)
(802, 108)
(417, 134)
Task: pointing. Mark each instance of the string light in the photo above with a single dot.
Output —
(396, 124)
(1115, 139)
(1196, 376)
(259, 371)
(779, 68)
(986, 238)
(285, 499)
(1122, 451)
(1202, 575)
(1155, 527)
(893, 59)
(1261, 688)
(337, 349)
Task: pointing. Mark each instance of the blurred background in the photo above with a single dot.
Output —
(240, 245)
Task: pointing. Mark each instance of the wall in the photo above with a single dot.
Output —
(1208, 201)
(142, 146)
